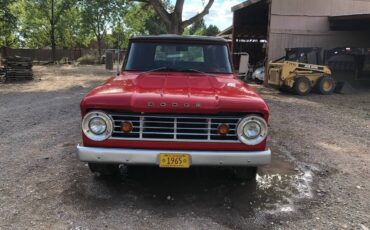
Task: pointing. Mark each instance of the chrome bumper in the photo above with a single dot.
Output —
(151, 157)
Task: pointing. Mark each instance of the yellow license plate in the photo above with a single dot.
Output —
(174, 160)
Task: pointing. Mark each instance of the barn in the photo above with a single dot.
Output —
(265, 28)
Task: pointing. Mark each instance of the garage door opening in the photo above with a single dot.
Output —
(250, 32)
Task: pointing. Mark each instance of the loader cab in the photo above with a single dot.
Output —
(309, 55)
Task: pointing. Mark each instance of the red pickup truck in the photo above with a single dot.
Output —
(175, 104)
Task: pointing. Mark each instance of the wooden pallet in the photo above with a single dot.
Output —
(18, 78)
(18, 68)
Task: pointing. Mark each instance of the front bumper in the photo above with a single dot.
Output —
(151, 157)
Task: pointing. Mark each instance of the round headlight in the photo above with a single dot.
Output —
(252, 130)
(97, 126)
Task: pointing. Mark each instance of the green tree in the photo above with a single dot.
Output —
(136, 19)
(99, 15)
(41, 19)
(33, 28)
(172, 18)
(118, 38)
(212, 30)
(70, 32)
(8, 23)
(142, 19)
(198, 28)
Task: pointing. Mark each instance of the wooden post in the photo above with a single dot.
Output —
(265, 83)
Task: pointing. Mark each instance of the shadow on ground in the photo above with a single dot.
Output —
(199, 192)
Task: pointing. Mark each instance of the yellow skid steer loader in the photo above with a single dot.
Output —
(293, 73)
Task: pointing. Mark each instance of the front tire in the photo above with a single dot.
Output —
(245, 173)
(259, 82)
(302, 86)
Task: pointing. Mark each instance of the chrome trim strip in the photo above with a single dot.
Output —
(141, 127)
(175, 129)
(174, 115)
(209, 129)
(150, 157)
(173, 140)
(182, 134)
(185, 128)
(152, 127)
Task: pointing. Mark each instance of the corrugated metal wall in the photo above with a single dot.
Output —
(303, 23)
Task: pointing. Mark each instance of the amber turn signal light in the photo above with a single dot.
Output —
(223, 129)
(126, 126)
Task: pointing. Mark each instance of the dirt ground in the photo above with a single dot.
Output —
(319, 177)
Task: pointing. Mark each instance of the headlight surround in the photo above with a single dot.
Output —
(97, 126)
(252, 130)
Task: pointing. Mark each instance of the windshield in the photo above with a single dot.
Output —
(178, 57)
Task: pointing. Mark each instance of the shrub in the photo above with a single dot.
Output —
(87, 60)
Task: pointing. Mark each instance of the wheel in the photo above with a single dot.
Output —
(104, 169)
(259, 82)
(245, 173)
(326, 85)
(302, 86)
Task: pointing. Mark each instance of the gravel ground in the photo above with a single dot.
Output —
(319, 177)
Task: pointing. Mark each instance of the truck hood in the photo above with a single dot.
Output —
(168, 92)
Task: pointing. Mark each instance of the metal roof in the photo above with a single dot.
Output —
(228, 30)
(174, 37)
(244, 4)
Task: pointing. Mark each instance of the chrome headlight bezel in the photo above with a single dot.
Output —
(86, 126)
(260, 137)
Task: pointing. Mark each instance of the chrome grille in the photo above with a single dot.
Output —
(175, 127)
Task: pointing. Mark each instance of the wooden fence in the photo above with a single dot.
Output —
(46, 54)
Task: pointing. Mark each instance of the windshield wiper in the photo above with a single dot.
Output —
(196, 71)
(164, 68)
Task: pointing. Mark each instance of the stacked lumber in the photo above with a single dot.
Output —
(18, 68)
(2, 74)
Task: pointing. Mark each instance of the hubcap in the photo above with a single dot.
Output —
(327, 86)
(303, 87)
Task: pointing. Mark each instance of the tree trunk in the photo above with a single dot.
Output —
(173, 29)
(176, 25)
(99, 39)
(53, 43)
(52, 32)
(173, 21)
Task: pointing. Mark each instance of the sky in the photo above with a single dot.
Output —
(220, 13)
